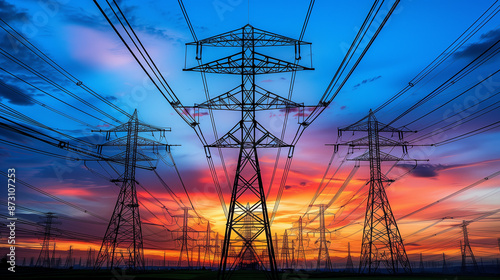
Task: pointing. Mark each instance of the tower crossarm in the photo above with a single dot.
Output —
(261, 64)
(264, 138)
(261, 38)
(264, 100)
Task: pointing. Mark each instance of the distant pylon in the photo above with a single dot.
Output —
(89, 258)
(208, 246)
(301, 262)
(382, 240)
(184, 239)
(69, 258)
(217, 247)
(53, 260)
(48, 235)
(421, 266)
(445, 267)
(124, 229)
(467, 250)
(349, 267)
(276, 247)
(285, 252)
(323, 251)
(294, 263)
(248, 257)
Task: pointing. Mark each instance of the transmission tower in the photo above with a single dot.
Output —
(208, 247)
(301, 261)
(248, 255)
(349, 266)
(421, 266)
(53, 260)
(382, 241)
(48, 235)
(185, 238)
(285, 252)
(445, 267)
(466, 250)
(324, 243)
(248, 135)
(89, 258)
(124, 229)
(69, 258)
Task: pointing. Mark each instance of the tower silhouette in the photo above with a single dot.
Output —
(324, 243)
(48, 235)
(248, 135)
(349, 267)
(124, 229)
(301, 261)
(445, 267)
(285, 252)
(466, 250)
(382, 242)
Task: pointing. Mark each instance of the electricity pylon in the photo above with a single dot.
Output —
(301, 261)
(208, 247)
(185, 231)
(285, 252)
(48, 235)
(324, 243)
(69, 259)
(421, 265)
(445, 267)
(349, 266)
(124, 229)
(382, 241)
(89, 258)
(466, 250)
(248, 135)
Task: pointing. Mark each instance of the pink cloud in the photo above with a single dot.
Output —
(97, 48)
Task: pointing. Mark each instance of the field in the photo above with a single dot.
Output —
(31, 273)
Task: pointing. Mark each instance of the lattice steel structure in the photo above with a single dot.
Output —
(466, 250)
(186, 240)
(248, 135)
(286, 260)
(349, 266)
(48, 235)
(382, 242)
(124, 230)
(445, 267)
(323, 262)
(300, 261)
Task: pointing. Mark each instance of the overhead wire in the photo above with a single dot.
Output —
(35, 50)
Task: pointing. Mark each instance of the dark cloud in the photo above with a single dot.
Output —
(367, 81)
(14, 94)
(427, 170)
(9, 12)
(111, 98)
(475, 49)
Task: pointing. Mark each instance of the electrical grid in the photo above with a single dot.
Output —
(248, 242)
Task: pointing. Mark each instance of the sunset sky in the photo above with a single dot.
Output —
(75, 35)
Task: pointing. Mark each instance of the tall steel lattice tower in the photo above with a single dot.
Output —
(248, 135)
(323, 262)
(48, 235)
(382, 241)
(466, 250)
(349, 266)
(301, 261)
(185, 239)
(124, 230)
